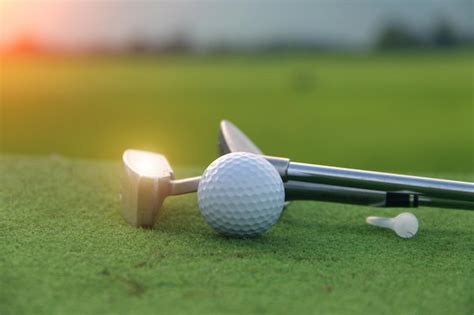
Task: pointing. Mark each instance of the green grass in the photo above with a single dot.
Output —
(394, 112)
(66, 250)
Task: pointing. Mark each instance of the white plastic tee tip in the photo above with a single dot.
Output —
(405, 224)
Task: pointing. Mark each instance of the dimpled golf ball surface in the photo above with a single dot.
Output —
(241, 194)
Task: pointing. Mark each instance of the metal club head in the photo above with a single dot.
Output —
(232, 139)
(148, 179)
(145, 185)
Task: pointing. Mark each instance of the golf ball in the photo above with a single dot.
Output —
(241, 194)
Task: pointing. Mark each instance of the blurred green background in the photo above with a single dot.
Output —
(379, 85)
(372, 84)
(399, 111)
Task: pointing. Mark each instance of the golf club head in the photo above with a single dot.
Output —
(232, 139)
(145, 185)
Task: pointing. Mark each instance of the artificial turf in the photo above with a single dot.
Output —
(66, 250)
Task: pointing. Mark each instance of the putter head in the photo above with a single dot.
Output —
(145, 185)
(232, 139)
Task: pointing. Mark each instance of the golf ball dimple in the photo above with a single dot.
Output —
(241, 194)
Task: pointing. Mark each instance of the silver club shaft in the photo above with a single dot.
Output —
(432, 187)
(296, 190)
(437, 190)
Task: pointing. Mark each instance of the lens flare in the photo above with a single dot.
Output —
(147, 164)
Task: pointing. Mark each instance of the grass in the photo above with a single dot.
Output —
(394, 112)
(66, 250)
(65, 122)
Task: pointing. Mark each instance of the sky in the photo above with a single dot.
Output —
(79, 24)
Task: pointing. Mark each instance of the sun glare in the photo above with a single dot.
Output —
(146, 163)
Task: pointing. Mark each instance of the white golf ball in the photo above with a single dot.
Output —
(241, 194)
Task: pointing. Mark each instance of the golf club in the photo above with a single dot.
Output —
(148, 179)
(325, 183)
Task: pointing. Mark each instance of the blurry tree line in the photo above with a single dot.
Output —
(396, 35)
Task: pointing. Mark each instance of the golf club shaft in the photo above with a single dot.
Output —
(444, 203)
(184, 186)
(430, 187)
(295, 190)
